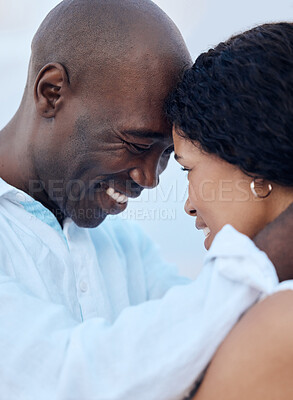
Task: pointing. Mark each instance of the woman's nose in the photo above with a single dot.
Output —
(189, 209)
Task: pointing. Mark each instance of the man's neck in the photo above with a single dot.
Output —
(276, 240)
(15, 165)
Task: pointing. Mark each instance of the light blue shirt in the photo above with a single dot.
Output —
(97, 315)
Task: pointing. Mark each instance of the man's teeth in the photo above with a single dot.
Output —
(206, 231)
(120, 198)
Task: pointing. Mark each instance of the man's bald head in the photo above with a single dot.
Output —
(102, 39)
(92, 118)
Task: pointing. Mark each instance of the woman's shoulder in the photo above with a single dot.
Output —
(276, 307)
(269, 323)
(256, 358)
(275, 312)
(284, 286)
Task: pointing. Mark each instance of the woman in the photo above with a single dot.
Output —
(233, 130)
(232, 117)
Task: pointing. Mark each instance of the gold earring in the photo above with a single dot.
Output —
(258, 183)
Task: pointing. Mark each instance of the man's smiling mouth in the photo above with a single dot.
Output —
(117, 196)
(119, 192)
(113, 199)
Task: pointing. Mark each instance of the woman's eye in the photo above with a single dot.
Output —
(186, 170)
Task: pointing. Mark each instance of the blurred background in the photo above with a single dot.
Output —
(203, 23)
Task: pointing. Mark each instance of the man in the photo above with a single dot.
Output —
(90, 132)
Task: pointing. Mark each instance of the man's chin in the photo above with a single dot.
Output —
(89, 223)
(87, 218)
(91, 217)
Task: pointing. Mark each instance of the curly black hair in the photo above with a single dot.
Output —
(237, 102)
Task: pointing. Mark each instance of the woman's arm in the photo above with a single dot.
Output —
(276, 239)
(255, 361)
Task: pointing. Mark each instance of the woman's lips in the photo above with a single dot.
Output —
(206, 231)
(202, 226)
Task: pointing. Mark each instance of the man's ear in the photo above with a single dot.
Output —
(50, 85)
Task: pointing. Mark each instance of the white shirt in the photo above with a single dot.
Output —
(97, 315)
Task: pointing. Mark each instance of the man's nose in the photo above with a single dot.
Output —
(146, 175)
(189, 209)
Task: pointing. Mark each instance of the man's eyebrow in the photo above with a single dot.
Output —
(145, 134)
(177, 157)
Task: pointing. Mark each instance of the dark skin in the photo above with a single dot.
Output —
(78, 132)
(72, 143)
(72, 138)
(106, 145)
(279, 234)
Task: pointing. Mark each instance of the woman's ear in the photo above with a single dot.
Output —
(49, 89)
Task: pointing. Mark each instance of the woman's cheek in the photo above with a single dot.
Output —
(208, 191)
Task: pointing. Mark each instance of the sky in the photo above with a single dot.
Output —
(203, 23)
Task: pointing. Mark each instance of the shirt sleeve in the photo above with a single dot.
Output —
(155, 350)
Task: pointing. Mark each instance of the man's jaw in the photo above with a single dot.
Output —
(102, 198)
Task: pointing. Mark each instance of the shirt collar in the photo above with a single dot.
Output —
(6, 188)
(31, 205)
(231, 243)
